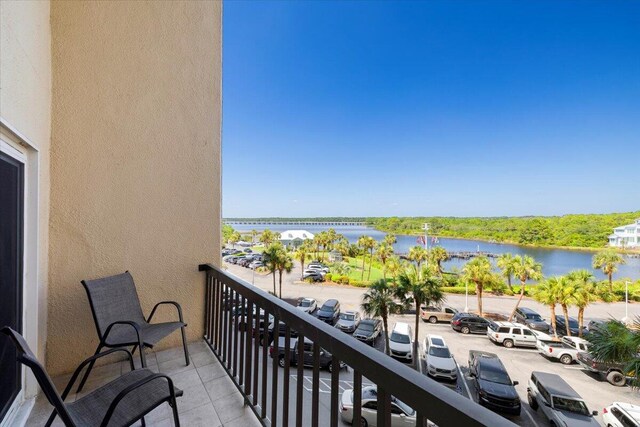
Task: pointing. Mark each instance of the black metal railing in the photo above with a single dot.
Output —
(241, 321)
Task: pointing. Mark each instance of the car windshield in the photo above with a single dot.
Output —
(570, 405)
(366, 327)
(400, 338)
(406, 408)
(535, 317)
(573, 323)
(439, 352)
(346, 316)
(495, 376)
(305, 303)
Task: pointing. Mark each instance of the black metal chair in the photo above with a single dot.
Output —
(120, 402)
(119, 320)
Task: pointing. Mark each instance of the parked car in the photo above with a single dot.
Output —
(469, 323)
(244, 262)
(318, 266)
(612, 371)
(565, 350)
(511, 334)
(620, 414)
(531, 318)
(256, 264)
(348, 321)
(325, 359)
(282, 330)
(308, 305)
(401, 342)
(316, 276)
(434, 314)
(494, 388)
(313, 271)
(595, 324)
(368, 330)
(329, 311)
(401, 414)
(438, 358)
(560, 403)
(561, 328)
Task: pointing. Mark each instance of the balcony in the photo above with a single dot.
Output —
(210, 398)
(282, 394)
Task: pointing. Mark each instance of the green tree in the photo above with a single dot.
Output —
(234, 238)
(478, 271)
(390, 239)
(525, 268)
(506, 264)
(394, 267)
(437, 256)
(536, 232)
(608, 261)
(566, 298)
(420, 287)
(301, 255)
(547, 293)
(418, 254)
(380, 301)
(613, 342)
(586, 292)
(367, 243)
(285, 263)
(254, 234)
(227, 231)
(273, 255)
(268, 237)
(384, 252)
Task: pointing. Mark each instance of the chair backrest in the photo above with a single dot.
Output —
(27, 358)
(113, 298)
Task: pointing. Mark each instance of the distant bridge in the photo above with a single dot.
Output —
(267, 222)
(460, 255)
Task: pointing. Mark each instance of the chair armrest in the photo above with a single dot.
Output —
(173, 303)
(133, 387)
(131, 323)
(79, 369)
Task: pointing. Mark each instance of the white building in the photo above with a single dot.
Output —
(626, 236)
(294, 238)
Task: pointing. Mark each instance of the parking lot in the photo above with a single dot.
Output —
(519, 362)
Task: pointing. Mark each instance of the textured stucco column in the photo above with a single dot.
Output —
(135, 159)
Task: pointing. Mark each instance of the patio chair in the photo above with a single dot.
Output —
(119, 320)
(121, 402)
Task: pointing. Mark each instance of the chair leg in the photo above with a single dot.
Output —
(51, 418)
(176, 417)
(143, 359)
(142, 422)
(88, 371)
(184, 345)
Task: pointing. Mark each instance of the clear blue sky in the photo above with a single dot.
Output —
(461, 108)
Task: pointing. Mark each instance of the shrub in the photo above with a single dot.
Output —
(359, 283)
(457, 290)
(343, 280)
(328, 277)
(308, 280)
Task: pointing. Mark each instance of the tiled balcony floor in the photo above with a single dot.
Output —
(210, 398)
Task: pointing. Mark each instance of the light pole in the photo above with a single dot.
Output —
(426, 236)
(625, 319)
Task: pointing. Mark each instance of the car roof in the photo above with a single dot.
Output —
(307, 299)
(510, 324)
(330, 303)
(632, 410)
(554, 384)
(527, 310)
(350, 312)
(369, 320)
(492, 364)
(402, 328)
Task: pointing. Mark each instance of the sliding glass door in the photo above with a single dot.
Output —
(11, 274)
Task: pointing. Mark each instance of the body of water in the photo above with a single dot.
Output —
(554, 261)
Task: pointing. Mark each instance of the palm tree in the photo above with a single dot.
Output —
(478, 271)
(390, 239)
(614, 342)
(585, 293)
(380, 301)
(507, 266)
(525, 268)
(384, 252)
(437, 256)
(362, 241)
(566, 297)
(393, 267)
(272, 255)
(367, 243)
(419, 286)
(285, 263)
(301, 255)
(418, 254)
(254, 234)
(234, 238)
(608, 261)
(370, 244)
(268, 237)
(547, 293)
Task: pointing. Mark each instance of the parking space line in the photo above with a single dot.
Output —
(464, 380)
(526, 411)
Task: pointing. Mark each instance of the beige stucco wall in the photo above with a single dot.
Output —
(135, 159)
(25, 104)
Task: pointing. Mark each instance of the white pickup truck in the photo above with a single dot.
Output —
(566, 350)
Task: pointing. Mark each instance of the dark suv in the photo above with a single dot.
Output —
(561, 327)
(532, 319)
(469, 323)
(329, 311)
